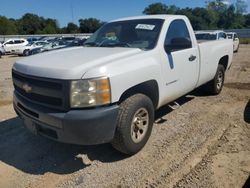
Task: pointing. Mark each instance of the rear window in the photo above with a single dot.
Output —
(205, 36)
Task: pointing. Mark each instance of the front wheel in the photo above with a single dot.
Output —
(134, 124)
(237, 50)
(215, 86)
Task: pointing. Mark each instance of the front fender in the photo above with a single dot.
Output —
(129, 72)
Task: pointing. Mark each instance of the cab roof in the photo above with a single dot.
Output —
(157, 16)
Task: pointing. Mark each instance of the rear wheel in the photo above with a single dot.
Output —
(215, 86)
(134, 124)
(26, 53)
(0, 54)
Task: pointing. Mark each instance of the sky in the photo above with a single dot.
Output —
(72, 10)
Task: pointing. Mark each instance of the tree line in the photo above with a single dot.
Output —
(30, 24)
(216, 15)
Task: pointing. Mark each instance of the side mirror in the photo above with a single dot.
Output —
(178, 44)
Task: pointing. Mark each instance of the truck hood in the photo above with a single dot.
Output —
(71, 63)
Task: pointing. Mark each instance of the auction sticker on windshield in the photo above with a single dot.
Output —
(145, 27)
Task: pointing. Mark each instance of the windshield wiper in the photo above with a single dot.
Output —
(119, 44)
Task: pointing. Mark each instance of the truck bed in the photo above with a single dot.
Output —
(210, 54)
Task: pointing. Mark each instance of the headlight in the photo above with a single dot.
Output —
(87, 93)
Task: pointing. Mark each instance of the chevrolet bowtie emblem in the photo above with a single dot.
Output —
(27, 88)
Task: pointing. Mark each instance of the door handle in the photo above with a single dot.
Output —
(192, 58)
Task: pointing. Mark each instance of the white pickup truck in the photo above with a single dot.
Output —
(108, 90)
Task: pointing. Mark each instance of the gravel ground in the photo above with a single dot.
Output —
(204, 143)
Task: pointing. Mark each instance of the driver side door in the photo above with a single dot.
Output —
(181, 61)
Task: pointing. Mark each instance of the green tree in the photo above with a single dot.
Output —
(90, 25)
(156, 8)
(216, 5)
(71, 28)
(172, 9)
(29, 24)
(49, 26)
(226, 18)
(247, 21)
(33, 24)
(8, 26)
(203, 18)
(241, 7)
(230, 19)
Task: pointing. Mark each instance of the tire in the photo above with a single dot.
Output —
(0, 54)
(26, 53)
(134, 124)
(215, 86)
(236, 51)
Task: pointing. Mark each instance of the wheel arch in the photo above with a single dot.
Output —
(149, 88)
(224, 61)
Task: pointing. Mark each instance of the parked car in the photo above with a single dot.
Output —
(235, 38)
(49, 47)
(53, 46)
(210, 35)
(26, 50)
(46, 38)
(2, 51)
(11, 44)
(68, 39)
(108, 91)
(77, 42)
(32, 39)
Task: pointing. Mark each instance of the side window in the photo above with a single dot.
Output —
(178, 37)
(235, 36)
(10, 42)
(222, 35)
(17, 41)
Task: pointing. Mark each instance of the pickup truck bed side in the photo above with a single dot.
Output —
(211, 53)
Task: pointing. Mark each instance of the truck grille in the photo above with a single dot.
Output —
(51, 93)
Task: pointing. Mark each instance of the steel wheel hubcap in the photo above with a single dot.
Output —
(139, 125)
(219, 80)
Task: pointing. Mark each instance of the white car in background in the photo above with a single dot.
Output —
(2, 51)
(235, 38)
(25, 50)
(12, 44)
(210, 35)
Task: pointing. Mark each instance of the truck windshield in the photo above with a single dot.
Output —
(142, 33)
(205, 36)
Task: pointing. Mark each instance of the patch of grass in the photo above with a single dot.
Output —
(245, 41)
